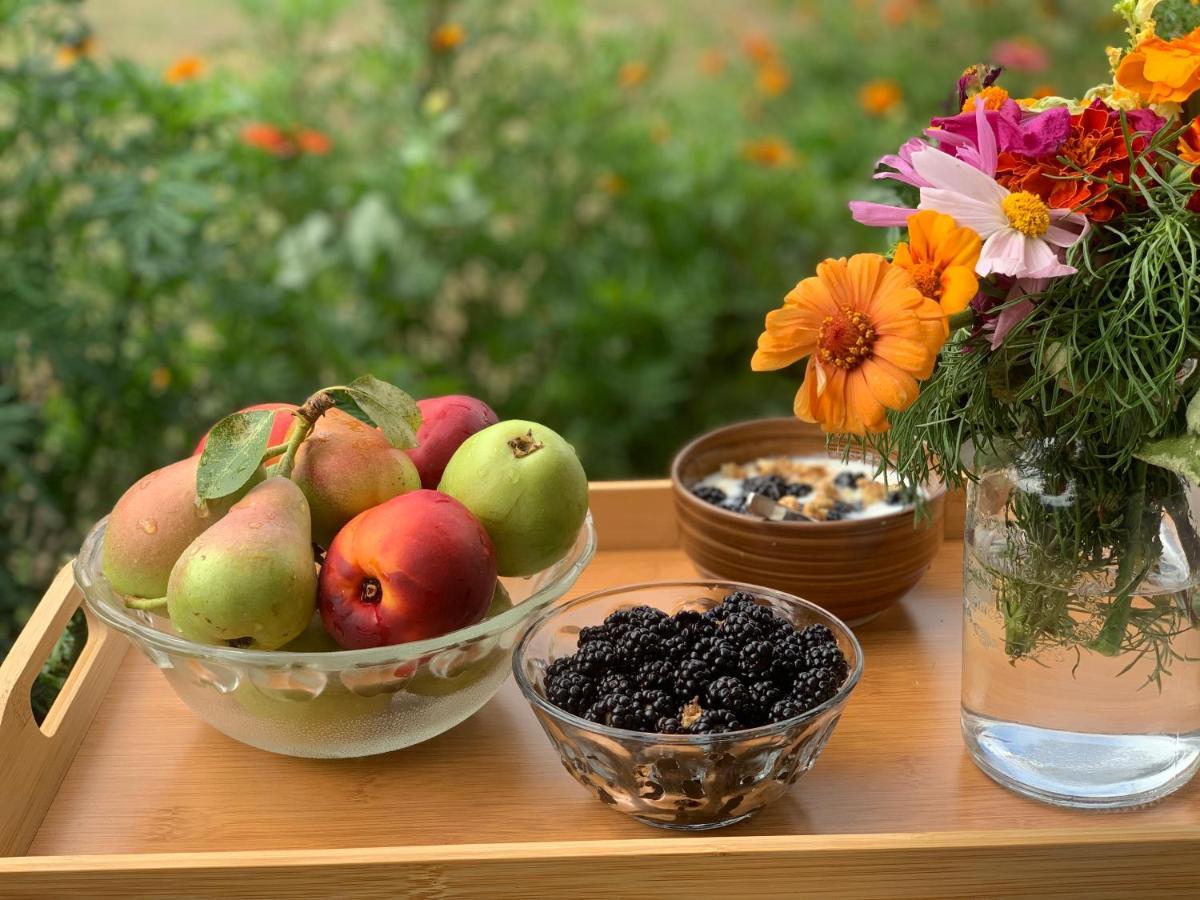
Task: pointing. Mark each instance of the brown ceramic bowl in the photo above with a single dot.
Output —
(856, 569)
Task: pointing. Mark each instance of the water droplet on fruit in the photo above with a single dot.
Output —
(148, 525)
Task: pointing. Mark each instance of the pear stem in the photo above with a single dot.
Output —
(150, 603)
(305, 418)
(274, 451)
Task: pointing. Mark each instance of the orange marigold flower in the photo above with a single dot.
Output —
(447, 37)
(1044, 90)
(880, 96)
(713, 62)
(611, 183)
(993, 98)
(72, 51)
(760, 48)
(773, 79)
(186, 68)
(771, 152)
(940, 257)
(869, 336)
(267, 138)
(310, 140)
(1189, 144)
(1161, 71)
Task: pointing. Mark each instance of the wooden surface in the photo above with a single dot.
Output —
(158, 803)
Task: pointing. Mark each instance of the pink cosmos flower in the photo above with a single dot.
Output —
(1021, 235)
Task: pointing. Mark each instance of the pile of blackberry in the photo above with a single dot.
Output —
(736, 666)
(773, 486)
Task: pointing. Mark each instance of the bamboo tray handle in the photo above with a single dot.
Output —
(33, 759)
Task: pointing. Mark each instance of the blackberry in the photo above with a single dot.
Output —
(827, 656)
(598, 658)
(728, 692)
(613, 683)
(655, 705)
(572, 691)
(787, 660)
(814, 688)
(669, 725)
(691, 622)
(740, 628)
(645, 616)
(797, 489)
(848, 479)
(838, 511)
(736, 506)
(617, 711)
(786, 709)
(590, 633)
(755, 658)
(560, 667)
(739, 601)
(715, 721)
(718, 654)
(638, 645)
(771, 486)
(763, 696)
(692, 677)
(656, 674)
(816, 634)
(677, 647)
(900, 497)
(709, 494)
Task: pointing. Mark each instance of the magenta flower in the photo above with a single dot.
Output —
(1036, 135)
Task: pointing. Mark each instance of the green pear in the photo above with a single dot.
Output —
(344, 467)
(250, 580)
(526, 486)
(153, 523)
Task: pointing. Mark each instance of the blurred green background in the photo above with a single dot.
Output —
(577, 211)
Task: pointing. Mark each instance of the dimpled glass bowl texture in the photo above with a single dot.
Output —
(678, 781)
(336, 704)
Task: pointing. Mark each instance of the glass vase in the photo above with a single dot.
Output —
(1081, 651)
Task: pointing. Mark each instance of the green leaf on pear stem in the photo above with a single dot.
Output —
(346, 404)
(1179, 454)
(394, 411)
(232, 455)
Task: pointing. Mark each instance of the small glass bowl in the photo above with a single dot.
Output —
(341, 703)
(679, 781)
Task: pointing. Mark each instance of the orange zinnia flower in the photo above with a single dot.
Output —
(940, 256)
(186, 68)
(993, 98)
(1189, 144)
(759, 48)
(268, 138)
(712, 62)
(880, 96)
(771, 152)
(773, 79)
(869, 336)
(315, 142)
(632, 74)
(447, 36)
(1161, 71)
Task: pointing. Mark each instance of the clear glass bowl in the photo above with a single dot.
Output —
(343, 703)
(679, 781)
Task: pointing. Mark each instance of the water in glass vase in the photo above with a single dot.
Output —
(1048, 715)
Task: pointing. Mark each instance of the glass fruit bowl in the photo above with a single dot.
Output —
(343, 703)
(679, 781)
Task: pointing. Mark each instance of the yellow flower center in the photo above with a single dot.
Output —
(993, 98)
(927, 279)
(845, 341)
(1027, 213)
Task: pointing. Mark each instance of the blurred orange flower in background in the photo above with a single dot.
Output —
(713, 61)
(1161, 71)
(880, 96)
(771, 152)
(632, 74)
(284, 143)
(69, 52)
(773, 79)
(447, 37)
(186, 68)
(869, 336)
(312, 141)
(1044, 90)
(611, 183)
(759, 48)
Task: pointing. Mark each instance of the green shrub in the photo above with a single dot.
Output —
(561, 214)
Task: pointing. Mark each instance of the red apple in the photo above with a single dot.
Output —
(417, 566)
(279, 428)
(445, 423)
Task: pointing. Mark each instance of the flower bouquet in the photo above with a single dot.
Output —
(1034, 332)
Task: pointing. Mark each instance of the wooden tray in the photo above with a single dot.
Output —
(122, 792)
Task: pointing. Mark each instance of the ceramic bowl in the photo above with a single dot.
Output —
(687, 782)
(855, 568)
